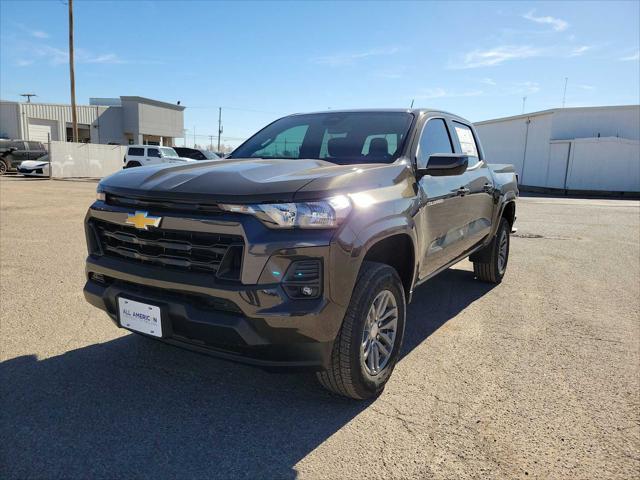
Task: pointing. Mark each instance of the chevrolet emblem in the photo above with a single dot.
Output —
(143, 221)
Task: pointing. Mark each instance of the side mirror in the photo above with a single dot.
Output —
(444, 164)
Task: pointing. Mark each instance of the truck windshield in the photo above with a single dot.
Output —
(338, 137)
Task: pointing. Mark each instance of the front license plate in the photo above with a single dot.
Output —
(141, 317)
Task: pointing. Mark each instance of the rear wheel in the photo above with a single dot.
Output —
(496, 256)
(3, 167)
(368, 345)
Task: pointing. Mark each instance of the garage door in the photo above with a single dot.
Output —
(41, 130)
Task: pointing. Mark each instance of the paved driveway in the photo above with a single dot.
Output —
(538, 377)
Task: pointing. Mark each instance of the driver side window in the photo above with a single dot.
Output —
(435, 139)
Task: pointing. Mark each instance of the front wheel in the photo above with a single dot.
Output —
(3, 167)
(368, 345)
(493, 264)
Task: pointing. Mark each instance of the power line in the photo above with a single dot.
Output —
(72, 77)
(219, 126)
(233, 108)
(207, 136)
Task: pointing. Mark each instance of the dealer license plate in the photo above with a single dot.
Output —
(140, 317)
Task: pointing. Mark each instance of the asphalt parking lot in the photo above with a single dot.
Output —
(538, 377)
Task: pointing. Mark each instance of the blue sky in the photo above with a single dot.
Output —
(266, 59)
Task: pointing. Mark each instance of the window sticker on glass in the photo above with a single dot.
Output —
(467, 141)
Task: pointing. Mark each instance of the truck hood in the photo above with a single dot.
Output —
(250, 180)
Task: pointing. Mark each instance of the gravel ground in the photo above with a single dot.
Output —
(535, 378)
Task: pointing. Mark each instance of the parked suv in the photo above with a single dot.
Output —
(196, 153)
(139, 155)
(14, 152)
(304, 247)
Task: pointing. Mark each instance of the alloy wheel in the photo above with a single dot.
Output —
(503, 251)
(379, 334)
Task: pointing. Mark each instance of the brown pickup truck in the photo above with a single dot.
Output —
(303, 247)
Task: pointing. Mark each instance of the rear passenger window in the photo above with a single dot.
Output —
(136, 152)
(35, 146)
(467, 142)
(435, 139)
(153, 152)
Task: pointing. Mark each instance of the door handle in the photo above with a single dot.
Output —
(462, 191)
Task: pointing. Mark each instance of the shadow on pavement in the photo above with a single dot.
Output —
(135, 407)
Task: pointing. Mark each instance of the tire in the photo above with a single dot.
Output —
(132, 165)
(349, 374)
(3, 167)
(495, 256)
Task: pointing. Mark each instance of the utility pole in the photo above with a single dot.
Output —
(194, 136)
(564, 94)
(524, 99)
(210, 142)
(28, 96)
(219, 126)
(412, 100)
(72, 77)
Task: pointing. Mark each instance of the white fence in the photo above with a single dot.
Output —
(609, 164)
(89, 160)
(599, 164)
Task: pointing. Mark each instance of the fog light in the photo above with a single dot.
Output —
(303, 279)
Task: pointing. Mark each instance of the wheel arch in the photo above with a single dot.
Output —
(390, 240)
(398, 251)
(509, 212)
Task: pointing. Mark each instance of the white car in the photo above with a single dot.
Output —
(140, 155)
(35, 168)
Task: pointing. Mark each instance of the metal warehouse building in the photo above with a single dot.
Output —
(123, 121)
(572, 149)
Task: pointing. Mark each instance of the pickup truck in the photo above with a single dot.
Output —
(14, 152)
(303, 247)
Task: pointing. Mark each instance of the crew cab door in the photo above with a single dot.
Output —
(442, 217)
(475, 187)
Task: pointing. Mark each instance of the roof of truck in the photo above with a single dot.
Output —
(414, 111)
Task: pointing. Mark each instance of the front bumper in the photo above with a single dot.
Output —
(255, 323)
(36, 172)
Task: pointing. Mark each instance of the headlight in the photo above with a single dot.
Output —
(322, 214)
(100, 195)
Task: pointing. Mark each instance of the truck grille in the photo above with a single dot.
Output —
(162, 205)
(190, 251)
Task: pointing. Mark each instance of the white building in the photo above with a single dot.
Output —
(121, 121)
(575, 149)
